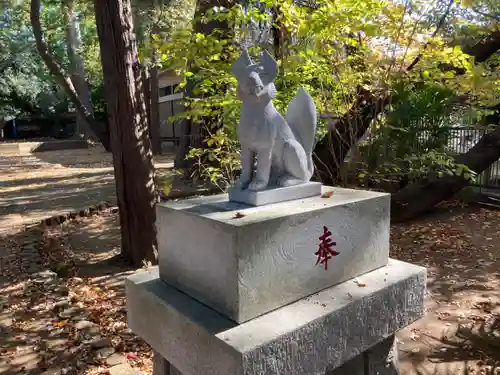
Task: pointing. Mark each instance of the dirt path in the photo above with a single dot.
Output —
(459, 335)
(41, 185)
(461, 331)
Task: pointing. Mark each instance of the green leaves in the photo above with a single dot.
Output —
(332, 51)
(25, 84)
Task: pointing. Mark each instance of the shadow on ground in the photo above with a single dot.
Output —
(460, 333)
(38, 186)
(71, 317)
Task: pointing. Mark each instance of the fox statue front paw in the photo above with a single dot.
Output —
(257, 185)
(241, 184)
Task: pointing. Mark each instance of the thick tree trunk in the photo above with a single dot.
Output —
(131, 145)
(333, 148)
(485, 48)
(64, 81)
(423, 195)
(77, 67)
(331, 151)
(154, 111)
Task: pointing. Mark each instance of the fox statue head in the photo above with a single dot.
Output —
(254, 79)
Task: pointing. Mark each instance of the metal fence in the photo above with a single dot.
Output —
(461, 140)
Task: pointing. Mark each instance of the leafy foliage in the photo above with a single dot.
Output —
(332, 50)
(25, 84)
(414, 139)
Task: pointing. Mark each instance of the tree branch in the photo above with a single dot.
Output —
(438, 27)
(334, 147)
(483, 50)
(424, 194)
(487, 15)
(58, 73)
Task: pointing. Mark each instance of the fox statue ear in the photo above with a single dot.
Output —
(269, 68)
(241, 64)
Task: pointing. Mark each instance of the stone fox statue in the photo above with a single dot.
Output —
(283, 146)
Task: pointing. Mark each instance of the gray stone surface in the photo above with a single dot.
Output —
(115, 359)
(355, 366)
(310, 336)
(123, 369)
(275, 195)
(243, 267)
(162, 367)
(381, 359)
(282, 146)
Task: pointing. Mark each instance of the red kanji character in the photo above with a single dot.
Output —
(325, 251)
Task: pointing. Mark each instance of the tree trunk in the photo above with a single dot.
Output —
(331, 151)
(146, 82)
(131, 145)
(423, 195)
(155, 112)
(77, 67)
(59, 75)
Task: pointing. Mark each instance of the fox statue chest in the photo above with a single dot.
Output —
(261, 127)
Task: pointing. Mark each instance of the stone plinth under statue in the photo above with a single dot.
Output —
(245, 261)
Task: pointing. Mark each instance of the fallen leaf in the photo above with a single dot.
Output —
(167, 188)
(62, 323)
(360, 283)
(239, 215)
(328, 194)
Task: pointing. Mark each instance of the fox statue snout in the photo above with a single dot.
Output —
(253, 84)
(282, 145)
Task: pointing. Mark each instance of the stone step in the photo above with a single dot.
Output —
(123, 369)
(312, 336)
(245, 261)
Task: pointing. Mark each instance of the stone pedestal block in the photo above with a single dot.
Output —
(245, 261)
(312, 336)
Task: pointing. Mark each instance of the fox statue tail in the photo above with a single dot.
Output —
(302, 118)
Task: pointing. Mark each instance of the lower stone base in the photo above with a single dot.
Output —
(381, 359)
(309, 337)
(276, 195)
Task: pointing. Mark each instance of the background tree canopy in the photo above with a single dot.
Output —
(26, 86)
(392, 79)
